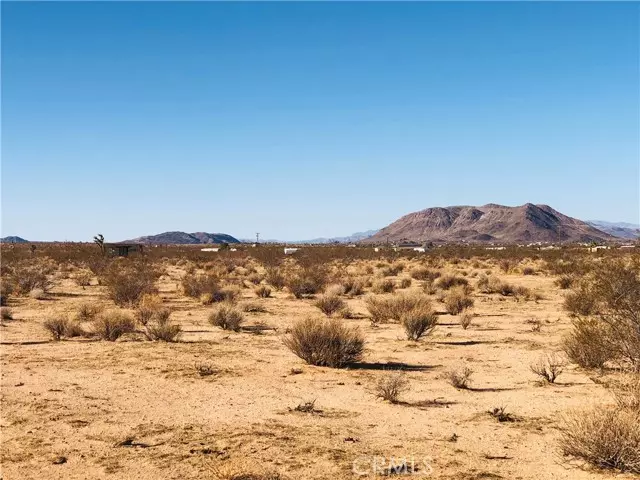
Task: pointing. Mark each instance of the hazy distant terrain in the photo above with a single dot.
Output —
(617, 229)
(186, 238)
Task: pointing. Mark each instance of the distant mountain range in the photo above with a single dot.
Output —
(490, 223)
(629, 231)
(182, 238)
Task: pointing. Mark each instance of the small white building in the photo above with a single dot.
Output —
(598, 247)
(290, 251)
(209, 249)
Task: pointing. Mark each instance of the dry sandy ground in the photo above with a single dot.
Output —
(83, 399)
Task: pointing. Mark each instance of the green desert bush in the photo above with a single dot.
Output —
(325, 342)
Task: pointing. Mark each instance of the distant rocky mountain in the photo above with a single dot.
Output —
(490, 223)
(354, 237)
(626, 230)
(13, 239)
(182, 238)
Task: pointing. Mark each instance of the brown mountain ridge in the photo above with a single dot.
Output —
(490, 224)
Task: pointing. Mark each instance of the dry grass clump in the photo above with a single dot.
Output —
(353, 286)
(226, 316)
(197, 285)
(419, 321)
(565, 281)
(448, 281)
(607, 437)
(457, 300)
(252, 307)
(262, 291)
(548, 367)
(275, 277)
(501, 414)
(423, 273)
(394, 307)
(581, 301)
(63, 327)
(330, 303)
(86, 311)
(385, 285)
(459, 378)
(159, 327)
(149, 305)
(127, 282)
(392, 270)
(112, 324)
(325, 342)
(307, 281)
(528, 271)
(465, 319)
(239, 471)
(38, 294)
(404, 282)
(391, 386)
(588, 343)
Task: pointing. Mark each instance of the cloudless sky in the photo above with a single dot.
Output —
(300, 120)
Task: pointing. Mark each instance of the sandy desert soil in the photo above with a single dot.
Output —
(135, 409)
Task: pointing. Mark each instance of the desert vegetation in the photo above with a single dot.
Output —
(362, 336)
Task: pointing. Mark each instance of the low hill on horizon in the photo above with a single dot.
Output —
(182, 238)
(490, 223)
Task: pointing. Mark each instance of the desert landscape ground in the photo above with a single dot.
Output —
(222, 404)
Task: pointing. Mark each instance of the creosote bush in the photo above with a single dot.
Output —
(197, 285)
(226, 316)
(112, 324)
(383, 285)
(588, 343)
(457, 300)
(394, 307)
(149, 305)
(418, 322)
(262, 291)
(306, 281)
(329, 304)
(448, 281)
(160, 327)
(325, 342)
(63, 327)
(127, 281)
(353, 286)
(391, 385)
(565, 281)
(86, 311)
(465, 319)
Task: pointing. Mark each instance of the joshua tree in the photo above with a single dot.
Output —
(99, 240)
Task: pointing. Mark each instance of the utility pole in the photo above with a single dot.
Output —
(257, 237)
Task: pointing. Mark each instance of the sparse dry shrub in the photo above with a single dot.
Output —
(627, 391)
(459, 378)
(83, 278)
(564, 281)
(38, 294)
(607, 437)
(404, 283)
(394, 307)
(61, 327)
(588, 343)
(86, 311)
(548, 367)
(392, 270)
(28, 275)
(226, 316)
(384, 285)
(418, 322)
(160, 327)
(112, 324)
(240, 471)
(580, 301)
(306, 281)
(615, 290)
(424, 273)
(353, 286)
(255, 278)
(325, 342)
(275, 277)
(457, 300)
(329, 303)
(252, 307)
(466, 317)
(524, 293)
(149, 305)
(128, 281)
(262, 291)
(197, 285)
(528, 271)
(429, 287)
(391, 385)
(501, 414)
(448, 281)
(6, 313)
(506, 265)
(334, 289)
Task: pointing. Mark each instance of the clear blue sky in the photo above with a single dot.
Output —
(301, 120)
